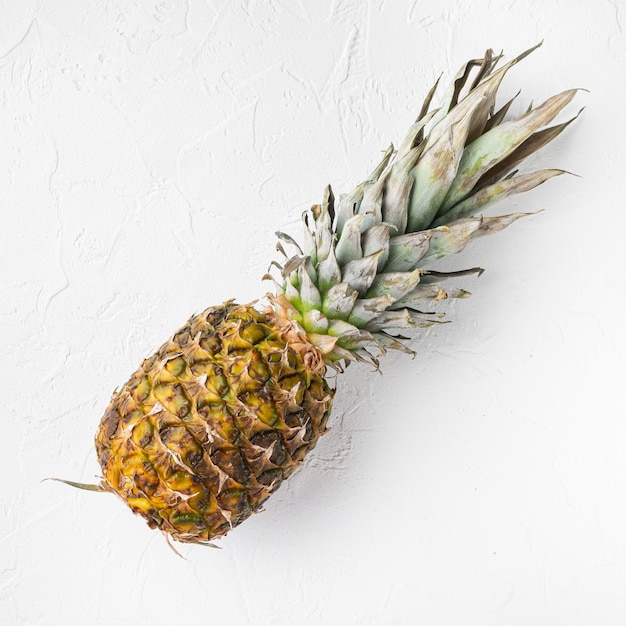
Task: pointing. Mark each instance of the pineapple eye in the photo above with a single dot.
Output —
(254, 333)
(177, 366)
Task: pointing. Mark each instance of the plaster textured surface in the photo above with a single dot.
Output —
(148, 152)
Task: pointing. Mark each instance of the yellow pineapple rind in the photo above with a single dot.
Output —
(210, 425)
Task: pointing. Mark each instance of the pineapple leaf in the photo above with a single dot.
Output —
(486, 151)
(434, 173)
(349, 203)
(349, 244)
(367, 309)
(497, 191)
(403, 318)
(394, 284)
(328, 271)
(377, 238)
(406, 251)
(427, 293)
(529, 146)
(339, 300)
(361, 272)
(309, 293)
(454, 237)
(398, 191)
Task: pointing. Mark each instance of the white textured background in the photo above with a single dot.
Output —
(148, 151)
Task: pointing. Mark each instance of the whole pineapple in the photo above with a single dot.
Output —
(210, 425)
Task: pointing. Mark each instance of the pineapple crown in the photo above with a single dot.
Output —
(358, 276)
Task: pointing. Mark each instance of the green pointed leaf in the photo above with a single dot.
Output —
(339, 300)
(380, 168)
(350, 203)
(498, 191)
(290, 269)
(398, 190)
(323, 224)
(349, 245)
(292, 294)
(328, 272)
(376, 239)
(406, 251)
(361, 272)
(367, 309)
(427, 293)
(372, 203)
(453, 238)
(535, 142)
(314, 321)
(389, 342)
(403, 318)
(394, 284)
(415, 132)
(434, 173)
(309, 294)
(349, 336)
(486, 151)
(308, 238)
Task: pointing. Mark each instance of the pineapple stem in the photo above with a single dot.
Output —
(84, 486)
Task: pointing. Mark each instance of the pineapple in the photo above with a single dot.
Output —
(209, 426)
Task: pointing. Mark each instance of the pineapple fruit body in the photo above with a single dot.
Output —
(210, 425)
(207, 428)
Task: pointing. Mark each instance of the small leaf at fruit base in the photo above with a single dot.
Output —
(309, 249)
(377, 238)
(349, 336)
(372, 203)
(314, 321)
(323, 225)
(394, 284)
(361, 273)
(292, 294)
(366, 309)
(349, 244)
(339, 300)
(309, 293)
(407, 250)
(328, 272)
